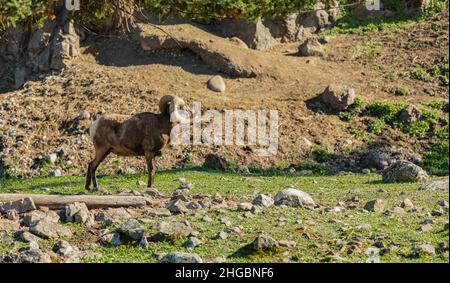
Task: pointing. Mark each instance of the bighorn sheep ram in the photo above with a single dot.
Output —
(144, 134)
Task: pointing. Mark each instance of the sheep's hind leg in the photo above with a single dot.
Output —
(100, 155)
(149, 158)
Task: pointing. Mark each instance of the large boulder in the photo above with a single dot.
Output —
(47, 230)
(410, 114)
(404, 171)
(338, 97)
(20, 206)
(295, 198)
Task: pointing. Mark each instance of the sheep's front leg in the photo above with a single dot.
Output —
(149, 158)
(100, 155)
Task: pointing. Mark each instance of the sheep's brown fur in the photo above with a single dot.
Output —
(144, 134)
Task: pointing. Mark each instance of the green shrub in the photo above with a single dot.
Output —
(377, 126)
(355, 109)
(418, 74)
(321, 155)
(436, 159)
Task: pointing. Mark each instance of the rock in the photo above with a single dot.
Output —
(153, 193)
(426, 228)
(239, 42)
(112, 216)
(111, 239)
(144, 244)
(216, 162)
(446, 226)
(63, 248)
(132, 229)
(311, 47)
(84, 115)
(141, 183)
(443, 203)
(35, 215)
(244, 206)
(221, 235)
(404, 171)
(55, 173)
(51, 158)
(293, 197)
(264, 243)
(439, 185)
(31, 254)
(225, 221)
(216, 84)
(375, 159)
(287, 244)
(193, 242)
(177, 257)
(47, 229)
(193, 205)
(160, 212)
(20, 75)
(407, 204)
(12, 215)
(424, 249)
(183, 196)
(9, 225)
(375, 205)
(338, 97)
(26, 237)
(176, 206)
(173, 229)
(263, 200)
(206, 218)
(20, 206)
(410, 114)
(78, 213)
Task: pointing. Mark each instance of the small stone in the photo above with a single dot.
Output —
(112, 239)
(144, 243)
(133, 229)
(206, 218)
(173, 229)
(423, 249)
(443, 203)
(177, 257)
(264, 243)
(287, 244)
(338, 97)
(216, 84)
(263, 200)
(78, 213)
(295, 198)
(160, 212)
(141, 183)
(375, 205)
(439, 185)
(407, 204)
(63, 248)
(221, 235)
(311, 47)
(176, 206)
(426, 228)
(244, 206)
(55, 173)
(27, 237)
(32, 217)
(366, 171)
(193, 242)
(51, 158)
(193, 205)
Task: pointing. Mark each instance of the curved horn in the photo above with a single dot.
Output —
(170, 105)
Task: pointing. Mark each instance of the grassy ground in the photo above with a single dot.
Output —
(318, 233)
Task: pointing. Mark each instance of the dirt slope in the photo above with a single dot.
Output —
(114, 75)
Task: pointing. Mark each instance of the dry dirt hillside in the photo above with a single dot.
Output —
(115, 75)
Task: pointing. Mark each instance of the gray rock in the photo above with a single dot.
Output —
(175, 229)
(20, 206)
(144, 243)
(216, 84)
(51, 158)
(9, 225)
(153, 193)
(287, 244)
(443, 203)
(193, 205)
(176, 206)
(221, 235)
(404, 171)
(439, 185)
(338, 97)
(32, 254)
(111, 239)
(177, 257)
(426, 228)
(375, 159)
(311, 47)
(78, 213)
(295, 198)
(27, 237)
(112, 216)
(63, 248)
(264, 243)
(244, 206)
(47, 229)
(32, 217)
(377, 205)
(410, 114)
(160, 212)
(55, 173)
(193, 242)
(263, 200)
(407, 203)
(214, 161)
(133, 229)
(424, 249)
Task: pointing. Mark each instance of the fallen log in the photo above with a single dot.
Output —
(91, 201)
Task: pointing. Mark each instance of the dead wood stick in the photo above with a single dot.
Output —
(91, 201)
